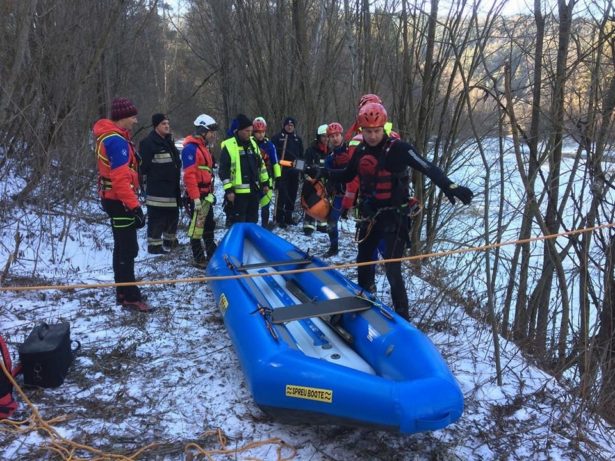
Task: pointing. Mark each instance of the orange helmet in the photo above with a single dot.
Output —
(259, 124)
(334, 128)
(367, 98)
(314, 200)
(372, 115)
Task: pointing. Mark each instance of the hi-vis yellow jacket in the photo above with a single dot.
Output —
(242, 169)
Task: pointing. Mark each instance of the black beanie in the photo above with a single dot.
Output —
(243, 121)
(157, 119)
(288, 120)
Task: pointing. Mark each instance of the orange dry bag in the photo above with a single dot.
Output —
(314, 200)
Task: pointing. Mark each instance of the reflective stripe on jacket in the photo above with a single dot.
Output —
(117, 164)
(198, 167)
(242, 168)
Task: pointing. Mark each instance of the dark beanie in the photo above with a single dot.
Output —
(122, 108)
(288, 120)
(157, 119)
(243, 121)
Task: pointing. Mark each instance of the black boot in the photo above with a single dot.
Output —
(332, 251)
(322, 227)
(170, 244)
(156, 250)
(200, 263)
(210, 248)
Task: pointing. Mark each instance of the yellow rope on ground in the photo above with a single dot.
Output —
(191, 448)
(309, 269)
(67, 449)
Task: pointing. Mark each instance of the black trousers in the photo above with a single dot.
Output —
(125, 248)
(161, 224)
(245, 207)
(393, 232)
(288, 184)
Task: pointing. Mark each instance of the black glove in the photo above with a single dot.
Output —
(462, 193)
(344, 214)
(139, 217)
(313, 171)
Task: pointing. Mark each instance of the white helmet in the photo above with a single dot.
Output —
(322, 130)
(207, 122)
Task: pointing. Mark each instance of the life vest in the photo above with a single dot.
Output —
(236, 153)
(379, 186)
(7, 402)
(314, 200)
(118, 178)
(198, 168)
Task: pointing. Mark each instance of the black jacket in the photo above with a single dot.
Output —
(161, 166)
(294, 146)
(401, 157)
(315, 155)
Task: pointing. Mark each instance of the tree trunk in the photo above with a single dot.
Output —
(422, 129)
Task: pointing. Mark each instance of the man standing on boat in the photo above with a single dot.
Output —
(243, 172)
(383, 165)
(199, 178)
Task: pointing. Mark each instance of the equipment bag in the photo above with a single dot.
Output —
(314, 200)
(7, 402)
(46, 355)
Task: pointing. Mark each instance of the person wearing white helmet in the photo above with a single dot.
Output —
(316, 154)
(198, 165)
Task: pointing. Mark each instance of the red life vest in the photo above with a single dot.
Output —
(379, 185)
(199, 177)
(7, 402)
(121, 183)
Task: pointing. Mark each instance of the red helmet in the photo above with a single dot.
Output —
(367, 98)
(372, 115)
(334, 128)
(259, 124)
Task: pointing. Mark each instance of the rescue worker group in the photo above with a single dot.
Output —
(367, 169)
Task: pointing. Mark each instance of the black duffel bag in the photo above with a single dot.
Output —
(46, 355)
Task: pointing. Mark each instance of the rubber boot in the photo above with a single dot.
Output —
(156, 250)
(332, 251)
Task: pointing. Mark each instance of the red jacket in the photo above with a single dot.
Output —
(117, 164)
(198, 165)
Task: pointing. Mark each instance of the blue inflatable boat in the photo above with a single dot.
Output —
(315, 349)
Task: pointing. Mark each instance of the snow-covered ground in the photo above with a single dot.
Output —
(171, 376)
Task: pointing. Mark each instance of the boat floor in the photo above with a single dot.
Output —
(312, 336)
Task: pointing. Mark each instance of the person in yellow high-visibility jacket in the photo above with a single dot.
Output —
(243, 172)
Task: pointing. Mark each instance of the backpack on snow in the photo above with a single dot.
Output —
(7, 403)
(46, 355)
